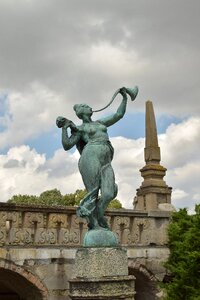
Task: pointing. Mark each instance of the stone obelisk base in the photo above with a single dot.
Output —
(102, 273)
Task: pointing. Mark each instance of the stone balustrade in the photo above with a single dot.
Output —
(59, 226)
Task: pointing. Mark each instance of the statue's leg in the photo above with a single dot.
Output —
(90, 168)
(108, 193)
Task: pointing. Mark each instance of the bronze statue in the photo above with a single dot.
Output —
(92, 141)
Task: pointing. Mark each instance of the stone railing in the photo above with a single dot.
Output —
(59, 226)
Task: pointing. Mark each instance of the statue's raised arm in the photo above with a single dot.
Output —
(110, 120)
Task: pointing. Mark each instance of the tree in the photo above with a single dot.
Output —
(74, 199)
(50, 197)
(54, 197)
(184, 259)
(23, 199)
(115, 204)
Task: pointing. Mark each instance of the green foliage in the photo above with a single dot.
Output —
(74, 199)
(51, 197)
(184, 259)
(115, 204)
(23, 199)
(54, 197)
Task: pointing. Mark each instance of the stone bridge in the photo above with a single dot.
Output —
(38, 246)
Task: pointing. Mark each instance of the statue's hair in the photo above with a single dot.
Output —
(78, 111)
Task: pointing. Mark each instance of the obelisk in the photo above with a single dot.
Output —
(153, 192)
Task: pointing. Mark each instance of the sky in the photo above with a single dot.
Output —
(56, 53)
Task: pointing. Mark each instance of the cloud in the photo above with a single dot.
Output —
(128, 159)
(84, 51)
(182, 146)
(24, 171)
(179, 194)
(29, 114)
(180, 152)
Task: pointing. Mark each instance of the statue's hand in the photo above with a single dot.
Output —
(122, 91)
(61, 121)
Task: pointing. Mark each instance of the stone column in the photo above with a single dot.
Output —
(102, 273)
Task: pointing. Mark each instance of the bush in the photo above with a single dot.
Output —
(184, 259)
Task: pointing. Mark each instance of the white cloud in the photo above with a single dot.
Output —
(128, 159)
(22, 176)
(24, 171)
(179, 194)
(180, 143)
(30, 114)
(180, 152)
(197, 197)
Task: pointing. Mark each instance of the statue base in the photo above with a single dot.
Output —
(101, 273)
(100, 237)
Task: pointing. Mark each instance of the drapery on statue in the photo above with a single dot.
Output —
(92, 141)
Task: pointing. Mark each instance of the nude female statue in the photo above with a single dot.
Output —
(92, 141)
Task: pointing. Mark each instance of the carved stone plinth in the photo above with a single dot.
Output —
(102, 273)
(116, 288)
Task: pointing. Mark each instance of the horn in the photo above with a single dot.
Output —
(132, 92)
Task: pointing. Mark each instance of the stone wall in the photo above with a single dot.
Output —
(44, 226)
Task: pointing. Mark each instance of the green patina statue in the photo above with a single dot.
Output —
(92, 141)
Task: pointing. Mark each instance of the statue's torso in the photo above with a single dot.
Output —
(93, 131)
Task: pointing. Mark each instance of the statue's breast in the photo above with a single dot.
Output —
(94, 127)
(92, 130)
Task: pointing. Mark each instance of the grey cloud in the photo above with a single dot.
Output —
(63, 168)
(61, 164)
(47, 42)
(12, 163)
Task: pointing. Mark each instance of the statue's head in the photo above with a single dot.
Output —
(82, 109)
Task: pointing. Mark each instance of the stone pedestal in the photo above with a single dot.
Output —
(102, 273)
